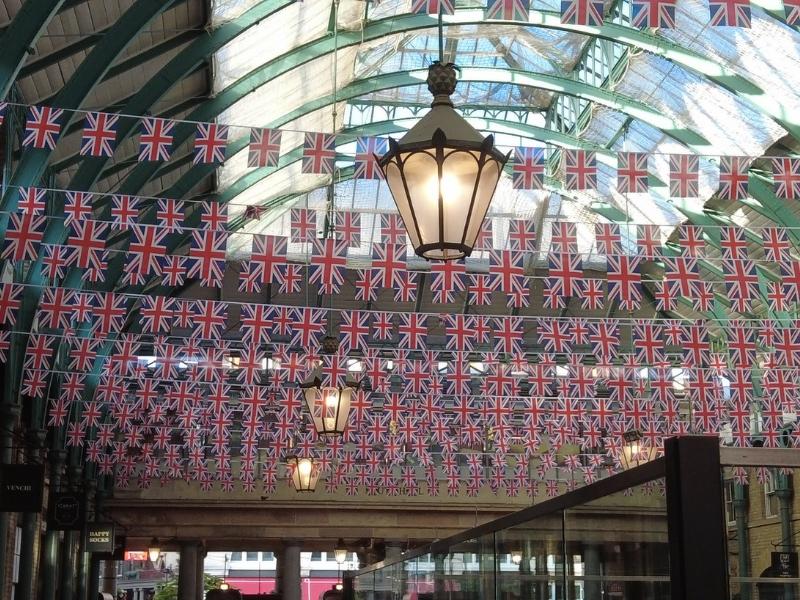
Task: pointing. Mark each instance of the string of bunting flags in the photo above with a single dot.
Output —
(528, 166)
(148, 232)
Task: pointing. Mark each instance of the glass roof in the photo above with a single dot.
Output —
(378, 81)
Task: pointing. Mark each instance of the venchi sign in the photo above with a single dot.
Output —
(21, 488)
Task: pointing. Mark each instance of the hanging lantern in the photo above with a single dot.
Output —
(442, 175)
(329, 406)
(154, 550)
(634, 453)
(340, 552)
(305, 473)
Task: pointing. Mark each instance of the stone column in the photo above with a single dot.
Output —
(89, 489)
(29, 549)
(110, 577)
(279, 562)
(187, 572)
(201, 564)
(69, 559)
(9, 414)
(592, 568)
(291, 572)
(52, 540)
(94, 577)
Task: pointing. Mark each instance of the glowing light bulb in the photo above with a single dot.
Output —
(304, 466)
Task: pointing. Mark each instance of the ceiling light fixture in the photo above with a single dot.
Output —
(442, 173)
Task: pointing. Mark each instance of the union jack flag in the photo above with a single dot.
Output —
(582, 12)
(447, 278)
(729, 13)
(328, 262)
(580, 166)
(214, 215)
(147, 246)
(348, 227)
(124, 210)
(319, 153)
(393, 231)
(591, 292)
(632, 172)
(207, 256)
(508, 10)
(55, 261)
(265, 148)
(99, 134)
(209, 143)
(528, 168)
(155, 142)
(267, 256)
(406, 288)
(110, 311)
(55, 308)
(307, 325)
(485, 241)
(733, 177)
(43, 126)
(648, 240)
(521, 235)
(156, 314)
(604, 338)
(786, 175)
(563, 238)
(413, 331)
(792, 8)
(508, 335)
(303, 224)
(654, 13)
(209, 319)
(683, 175)
(32, 200)
(733, 242)
(87, 238)
(354, 330)
(432, 7)
(389, 261)
(366, 285)
(741, 281)
(366, 165)
(682, 275)
(624, 281)
(78, 207)
(567, 270)
(608, 238)
(776, 244)
(170, 214)
(291, 278)
(691, 240)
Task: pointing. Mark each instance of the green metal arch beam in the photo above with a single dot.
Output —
(547, 19)
(90, 72)
(20, 35)
(144, 172)
(186, 61)
(407, 23)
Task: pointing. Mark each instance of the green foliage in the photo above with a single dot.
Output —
(169, 589)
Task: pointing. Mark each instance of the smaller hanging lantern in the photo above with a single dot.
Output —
(340, 552)
(634, 453)
(305, 473)
(154, 550)
(329, 406)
